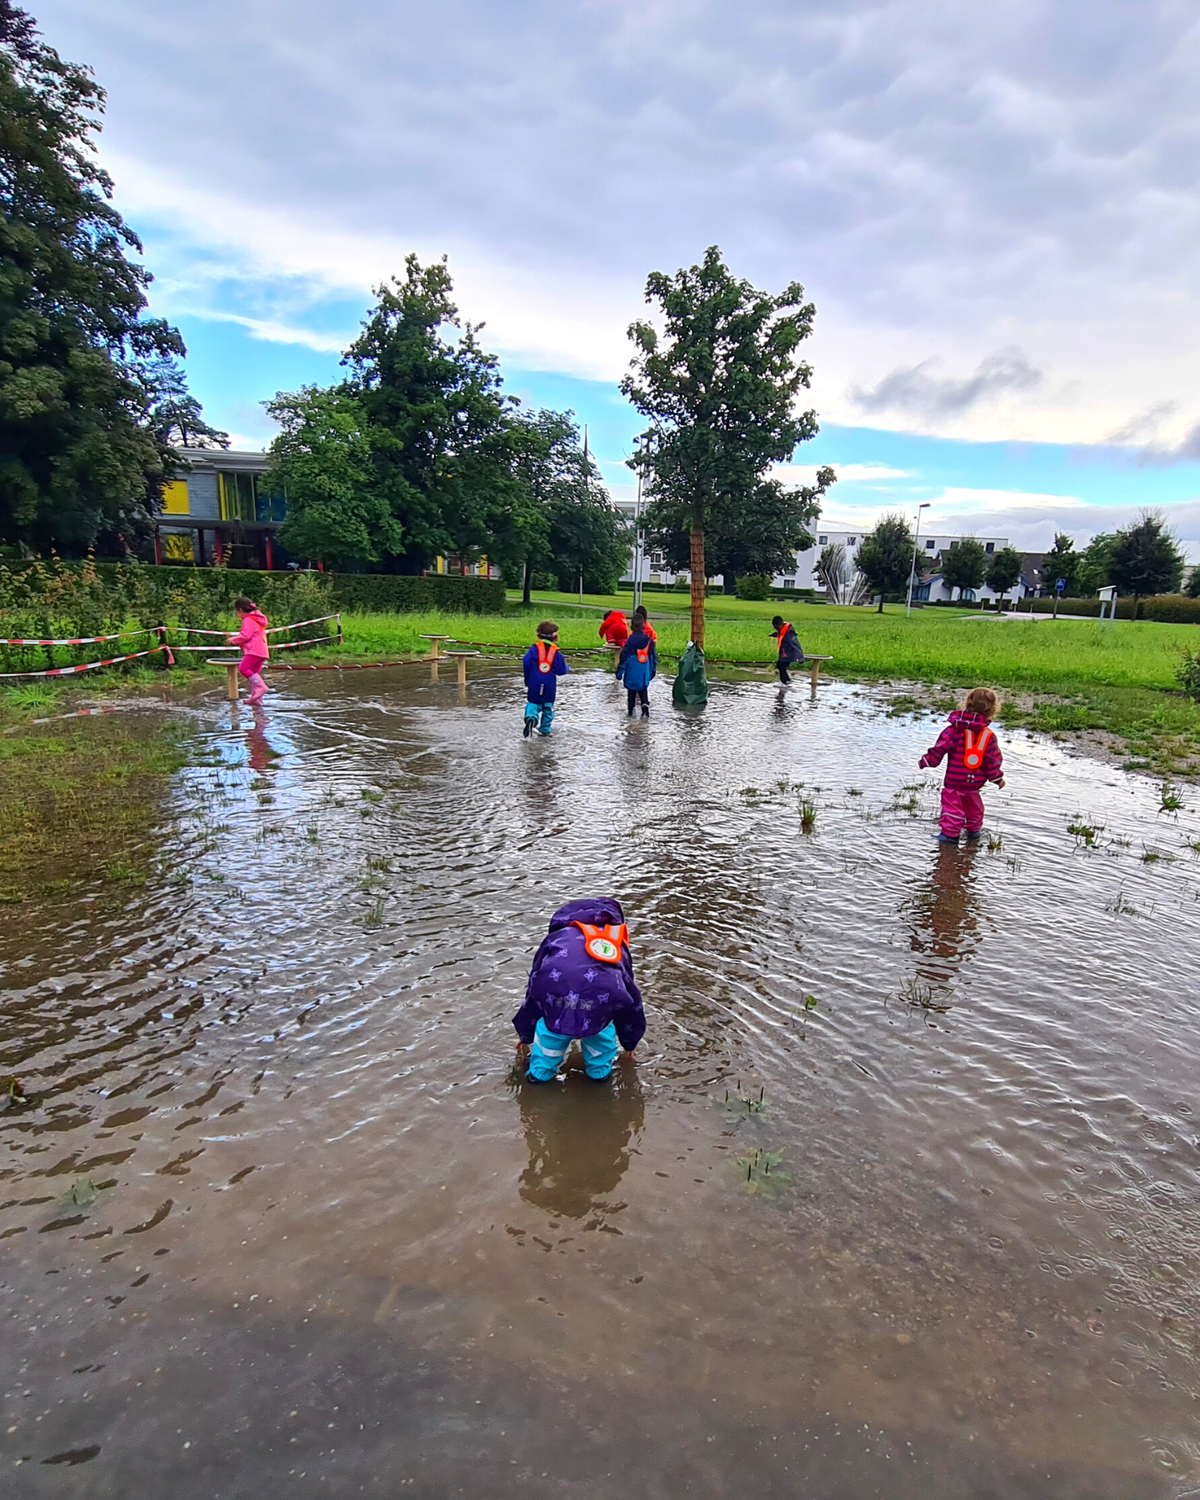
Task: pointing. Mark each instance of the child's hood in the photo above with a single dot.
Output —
(596, 911)
(257, 616)
(967, 720)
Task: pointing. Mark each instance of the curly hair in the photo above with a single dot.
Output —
(981, 701)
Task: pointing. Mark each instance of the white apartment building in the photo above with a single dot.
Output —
(654, 570)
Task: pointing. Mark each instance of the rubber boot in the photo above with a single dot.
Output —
(258, 690)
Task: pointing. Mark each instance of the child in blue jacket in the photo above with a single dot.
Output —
(638, 664)
(544, 664)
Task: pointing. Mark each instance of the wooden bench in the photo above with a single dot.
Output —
(433, 650)
(231, 675)
(814, 664)
(462, 662)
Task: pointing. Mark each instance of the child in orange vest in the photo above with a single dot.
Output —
(972, 758)
(544, 664)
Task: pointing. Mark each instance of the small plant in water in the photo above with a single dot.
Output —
(1119, 907)
(808, 815)
(995, 842)
(374, 916)
(1085, 833)
(854, 791)
(1169, 799)
(123, 871)
(368, 795)
(379, 862)
(923, 997)
(760, 1173)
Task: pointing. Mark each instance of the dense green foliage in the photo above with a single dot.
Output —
(964, 565)
(885, 556)
(67, 599)
(1062, 561)
(419, 454)
(719, 388)
(1146, 558)
(89, 391)
(1004, 570)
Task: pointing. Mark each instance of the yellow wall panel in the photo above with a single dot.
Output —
(175, 498)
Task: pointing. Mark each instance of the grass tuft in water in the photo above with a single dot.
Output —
(808, 815)
(995, 842)
(374, 916)
(1085, 833)
(760, 1173)
(1169, 799)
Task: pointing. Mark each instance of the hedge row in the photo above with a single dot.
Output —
(1168, 609)
(89, 598)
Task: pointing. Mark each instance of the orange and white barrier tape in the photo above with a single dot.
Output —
(82, 640)
(90, 666)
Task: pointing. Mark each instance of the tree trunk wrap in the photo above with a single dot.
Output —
(696, 561)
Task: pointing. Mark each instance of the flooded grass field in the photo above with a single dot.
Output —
(898, 1199)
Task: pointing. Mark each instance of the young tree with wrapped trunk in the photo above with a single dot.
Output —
(719, 385)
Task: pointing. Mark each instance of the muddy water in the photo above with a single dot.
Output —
(899, 1198)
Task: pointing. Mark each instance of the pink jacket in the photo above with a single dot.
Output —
(950, 746)
(252, 637)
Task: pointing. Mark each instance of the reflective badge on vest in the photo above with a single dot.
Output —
(546, 651)
(643, 654)
(603, 943)
(974, 749)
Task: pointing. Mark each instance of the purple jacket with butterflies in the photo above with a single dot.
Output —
(575, 994)
(950, 745)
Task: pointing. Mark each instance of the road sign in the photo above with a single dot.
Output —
(1059, 585)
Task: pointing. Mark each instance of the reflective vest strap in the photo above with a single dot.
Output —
(546, 651)
(783, 630)
(974, 749)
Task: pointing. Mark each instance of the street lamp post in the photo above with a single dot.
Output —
(924, 505)
(637, 524)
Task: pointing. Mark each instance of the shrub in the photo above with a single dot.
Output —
(754, 586)
(1187, 673)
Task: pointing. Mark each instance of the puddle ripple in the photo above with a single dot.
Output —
(898, 1200)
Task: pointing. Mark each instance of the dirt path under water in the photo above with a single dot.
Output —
(278, 1216)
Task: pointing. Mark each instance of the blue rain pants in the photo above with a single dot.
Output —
(549, 1050)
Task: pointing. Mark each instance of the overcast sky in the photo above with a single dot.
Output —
(995, 209)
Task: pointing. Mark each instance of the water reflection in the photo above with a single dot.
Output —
(943, 916)
(580, 1137)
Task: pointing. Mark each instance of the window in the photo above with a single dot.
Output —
(237, 496)
(953, 545)
(822, 541)
(989, 546)
(851, 541)
(929, 546)
(270, 507)
(789, 583)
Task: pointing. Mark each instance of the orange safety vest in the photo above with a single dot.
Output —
(547, 651)
(603, 943)
(783, 630)
(974, 748)
(642, 653)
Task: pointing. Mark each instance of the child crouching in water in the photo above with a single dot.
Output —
(252, 638)
(581, 985)
(544, 664)
(972, 758)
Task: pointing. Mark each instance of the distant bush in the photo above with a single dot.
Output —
(56, 599)
(755, 586)
(1167, 609)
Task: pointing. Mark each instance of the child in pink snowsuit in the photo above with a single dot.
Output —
(252, 638)
(972, 758)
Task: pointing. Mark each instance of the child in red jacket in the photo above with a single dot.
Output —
(972, 758)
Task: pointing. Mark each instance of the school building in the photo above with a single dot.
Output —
(220, 513)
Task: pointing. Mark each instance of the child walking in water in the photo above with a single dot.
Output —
(637, 666)
(252, 638)
(544, 664)
(972, 758)
(581, 986)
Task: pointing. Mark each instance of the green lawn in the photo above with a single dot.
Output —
(1059, 676)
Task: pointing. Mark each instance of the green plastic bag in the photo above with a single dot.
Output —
(691, 683)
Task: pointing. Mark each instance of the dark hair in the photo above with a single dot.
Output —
(640, 613)
(547, 630)
(244, 604)
(777, 621)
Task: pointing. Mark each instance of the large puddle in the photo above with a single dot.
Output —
(899, 1199)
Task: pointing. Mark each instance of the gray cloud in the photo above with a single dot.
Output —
(919, 393)
(923, 166)
(1033, 531)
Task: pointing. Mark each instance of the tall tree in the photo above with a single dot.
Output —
(174, 416)
(1062, 561)
(719, 387)
(964, 565)
(439, 423)
(885, 556)
(324, 461)
(1095, 562)
(1146, 558)
(761, 535)
(78, 454)
(1004, 570)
